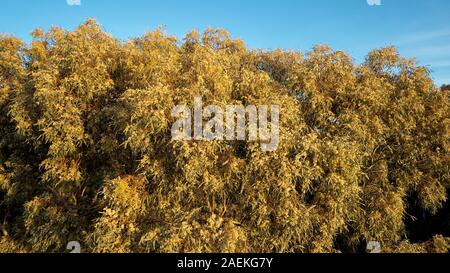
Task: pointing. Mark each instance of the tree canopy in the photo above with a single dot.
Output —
(86, 152)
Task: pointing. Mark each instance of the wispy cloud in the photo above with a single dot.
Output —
(438, 64)
(428, 51)
(430, 48)
(440, 81)
(423, 37)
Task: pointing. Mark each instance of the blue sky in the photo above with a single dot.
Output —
(419, 28)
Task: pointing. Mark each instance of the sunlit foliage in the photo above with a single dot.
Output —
(86, 152)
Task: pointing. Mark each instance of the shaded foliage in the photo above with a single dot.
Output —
(86, 152)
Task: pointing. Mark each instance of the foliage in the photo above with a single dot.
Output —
(86, 152)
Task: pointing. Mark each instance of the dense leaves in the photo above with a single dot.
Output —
(86, 152)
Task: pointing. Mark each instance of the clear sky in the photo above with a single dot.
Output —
(419, 28)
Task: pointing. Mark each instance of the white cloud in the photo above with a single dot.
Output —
(74, 2)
